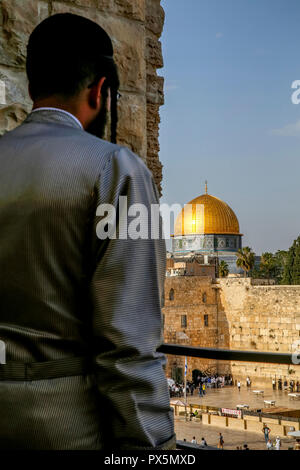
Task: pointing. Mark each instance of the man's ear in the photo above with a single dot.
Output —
(95, 94)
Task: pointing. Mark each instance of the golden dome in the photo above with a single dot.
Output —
(206, 214)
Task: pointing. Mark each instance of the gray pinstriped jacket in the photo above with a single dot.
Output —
(80, 316)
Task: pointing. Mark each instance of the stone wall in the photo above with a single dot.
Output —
(241, 315)
(262, 318)
(135, 27)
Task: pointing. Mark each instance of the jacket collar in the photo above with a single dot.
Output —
(54, 115)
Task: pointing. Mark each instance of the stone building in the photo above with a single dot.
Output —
(191, 266)
(233, 313)
(191, 317)
(135, 27)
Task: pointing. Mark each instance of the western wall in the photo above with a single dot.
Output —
(135, 27)
(242, 315)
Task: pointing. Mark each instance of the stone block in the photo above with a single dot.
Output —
(206, 418)
(220, 421)
(18, 21)
(252, 418)
(11, 116)
(132, 9)
(236, 423)
(270, 421)
(253, 426)
(289, 424)
(154, 53)
(155, 17)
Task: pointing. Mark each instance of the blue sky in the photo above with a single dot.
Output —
(228, 115)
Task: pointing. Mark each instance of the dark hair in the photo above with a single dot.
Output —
(65, 54)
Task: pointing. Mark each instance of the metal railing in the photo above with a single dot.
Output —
(226, 354)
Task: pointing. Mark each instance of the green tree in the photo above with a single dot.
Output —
(280, 261)
(291, 273)
(245, 259)
(268, 265)
(223, 269)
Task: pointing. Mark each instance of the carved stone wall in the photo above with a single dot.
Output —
(135, 27)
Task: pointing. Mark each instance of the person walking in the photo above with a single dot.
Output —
(266, 430)
(221, 441)
(239, 386)
(277, 443)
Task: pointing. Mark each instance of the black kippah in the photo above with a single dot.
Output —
(65, 49)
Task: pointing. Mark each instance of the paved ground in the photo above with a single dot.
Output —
(232, 438)
(229, 397)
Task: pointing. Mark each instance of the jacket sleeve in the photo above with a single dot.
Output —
(126, 293)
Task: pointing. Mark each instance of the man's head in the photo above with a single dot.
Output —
(70, 65)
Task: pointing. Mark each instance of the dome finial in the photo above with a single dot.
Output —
(206, 187)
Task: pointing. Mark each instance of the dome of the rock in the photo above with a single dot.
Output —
(206, 214)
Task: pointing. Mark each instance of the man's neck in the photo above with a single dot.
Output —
(57, 103)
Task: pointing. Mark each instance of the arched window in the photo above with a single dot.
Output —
(204, 297)
(171, 294)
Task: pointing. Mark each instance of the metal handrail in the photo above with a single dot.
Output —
(227, 354)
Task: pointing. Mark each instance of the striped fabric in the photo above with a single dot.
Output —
(65, 293)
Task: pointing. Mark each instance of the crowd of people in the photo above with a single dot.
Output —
(281, 384)
(200, 385)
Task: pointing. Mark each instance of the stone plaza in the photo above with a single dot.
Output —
(230, 397)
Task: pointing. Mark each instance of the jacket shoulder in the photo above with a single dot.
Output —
(129, 162)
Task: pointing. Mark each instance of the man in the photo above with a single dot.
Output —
(80, 312)
(203, 442)
(194, 440)
(239, 386)
(221, 441)
(266, 430)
